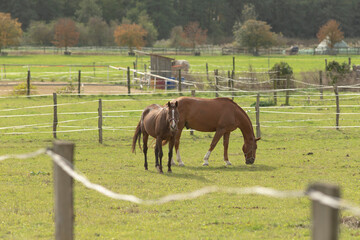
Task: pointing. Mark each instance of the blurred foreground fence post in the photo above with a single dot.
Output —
(337, 106)
(100, 120)
(257, 110)
(325, 223)
(55, 122)
(63, 193)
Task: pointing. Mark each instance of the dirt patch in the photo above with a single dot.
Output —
(351, 222)
(7, 88)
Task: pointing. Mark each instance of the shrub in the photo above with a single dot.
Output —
(337, 71)
(284, 71)
(21, 89)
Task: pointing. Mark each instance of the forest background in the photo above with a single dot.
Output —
(96, 20)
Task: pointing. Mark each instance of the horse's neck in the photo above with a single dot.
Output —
(245, 125)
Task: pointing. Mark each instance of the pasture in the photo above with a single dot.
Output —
(295, 150)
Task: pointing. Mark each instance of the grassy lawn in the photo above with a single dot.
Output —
(295, 151)
(300, 64)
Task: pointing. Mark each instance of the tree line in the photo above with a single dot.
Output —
(291, 18)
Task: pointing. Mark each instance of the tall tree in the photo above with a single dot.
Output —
(10, 31)
(47, 10)
(331, 32)
(177, 37)
(22, 10)
(41, 33)
(163, 14)
(66, 34)
(152, 33)
(131, 35)
(194, 34)
(254, 34)
(88, 9)
(98, 32)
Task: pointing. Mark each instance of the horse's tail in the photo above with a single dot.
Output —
(137, 136)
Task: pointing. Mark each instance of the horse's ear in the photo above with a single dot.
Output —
(257, 139)
(169, 105)
(176, 104)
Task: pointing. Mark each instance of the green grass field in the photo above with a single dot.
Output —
(300, 64)
(295, 151)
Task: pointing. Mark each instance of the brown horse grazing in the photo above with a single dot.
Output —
(219, 115)
(162, 124)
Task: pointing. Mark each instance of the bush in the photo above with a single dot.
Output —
(21, 89)
(284, 71)
(267, 103)
(337, 71)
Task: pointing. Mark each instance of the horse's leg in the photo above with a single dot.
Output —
(159, 155)
(177, 143)
(145, 148)
(171, 146)
(218, 134)
(226, 145)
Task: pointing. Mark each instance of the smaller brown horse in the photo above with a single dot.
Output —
(160, 123)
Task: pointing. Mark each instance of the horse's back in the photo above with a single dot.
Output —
(151, 118)
(207, 114)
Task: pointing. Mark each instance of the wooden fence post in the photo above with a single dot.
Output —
(207, 73)
(193, 93)
(234, 64)
(216, 83)
(321, 84)
(55, 122)
(232, 84)
(128, 80)
(179, 84)
(325, 224)
(325, 64)
(28, 83)
(257, 109)
(337, 106)
(275, 84)
(100, 120)
(287, 90)
(349, 61)
(63, 193)
(79, 83)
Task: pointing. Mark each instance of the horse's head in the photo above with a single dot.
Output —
(249, 149)
(173, 116)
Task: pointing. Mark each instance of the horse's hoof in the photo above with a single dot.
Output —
(169, 171)
(205, 164)
(181, 164)
(159, 169)
(228, 163)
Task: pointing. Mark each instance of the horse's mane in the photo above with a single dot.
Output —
(241, 110)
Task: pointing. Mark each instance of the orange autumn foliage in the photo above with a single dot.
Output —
(331, 32)
(131, 35)
(10, 30)
(66, 34)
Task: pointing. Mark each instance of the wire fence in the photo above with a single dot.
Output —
(325, 205)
